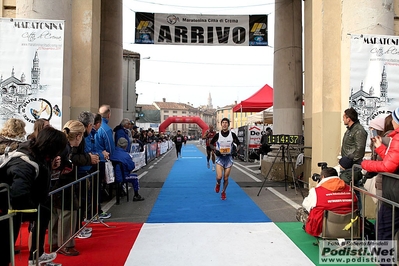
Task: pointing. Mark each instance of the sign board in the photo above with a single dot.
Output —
(31, 70)
(198, 29)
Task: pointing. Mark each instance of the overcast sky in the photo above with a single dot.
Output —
(187, 73)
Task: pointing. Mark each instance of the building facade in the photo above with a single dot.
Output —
(131, 74)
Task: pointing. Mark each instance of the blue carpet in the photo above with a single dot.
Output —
(188, 196)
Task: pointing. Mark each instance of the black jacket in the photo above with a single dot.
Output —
(27, 190)
(71, 158)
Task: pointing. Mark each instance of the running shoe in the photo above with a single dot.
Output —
(104, 215)
(217, 188)
(44, 258)
(83, 235)
(223, 195)
(97, 221)
(213, 167)
(87, 230)
(94, 221)
(207, 164)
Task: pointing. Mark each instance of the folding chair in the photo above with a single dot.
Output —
(334, 225)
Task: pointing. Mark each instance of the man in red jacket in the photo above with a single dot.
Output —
(331, 194)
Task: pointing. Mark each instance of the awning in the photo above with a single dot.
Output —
(259, 101)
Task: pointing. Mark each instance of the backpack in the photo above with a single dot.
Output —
(7, 156)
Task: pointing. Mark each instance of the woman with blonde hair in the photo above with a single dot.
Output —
(12, 134)
(72, 157)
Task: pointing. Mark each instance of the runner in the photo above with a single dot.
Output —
(178, 140)
(225, 144)
(208, 136)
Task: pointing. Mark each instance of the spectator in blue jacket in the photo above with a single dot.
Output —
(121, 155)
(104, 142)
(123, 131)
(104, 139)
(88, 144)
(87, 119)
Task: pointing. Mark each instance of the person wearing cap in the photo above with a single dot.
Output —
(121, 155)
(135, 132)
(390, 164)
(384, 128)
(378, 124)
(136, 138)
(225, 144)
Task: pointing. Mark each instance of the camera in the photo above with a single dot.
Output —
(316, 177)
(323, 165)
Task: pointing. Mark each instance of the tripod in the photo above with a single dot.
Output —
(284, 155)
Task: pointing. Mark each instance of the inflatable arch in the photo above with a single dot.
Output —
(183, 119)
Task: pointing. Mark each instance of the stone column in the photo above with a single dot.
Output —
(86, 20)
(111, 56)
(287, 83)
(322, 82)
(55, 10)
(287, 78)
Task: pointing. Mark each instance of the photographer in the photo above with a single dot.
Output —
(332, 194)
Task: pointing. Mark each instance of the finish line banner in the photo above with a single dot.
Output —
(192, 29)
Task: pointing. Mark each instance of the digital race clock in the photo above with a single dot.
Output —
(284, 139)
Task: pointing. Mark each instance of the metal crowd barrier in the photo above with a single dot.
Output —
(87, 201)
(88, 207)
(380, 200)
(87, 211)
(4, 188)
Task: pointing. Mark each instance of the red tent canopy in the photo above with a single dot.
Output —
(261, 100)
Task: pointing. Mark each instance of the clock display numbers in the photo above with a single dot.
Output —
(284, 139)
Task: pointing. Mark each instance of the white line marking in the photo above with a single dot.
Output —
(251, 176)
(142, 174)
(247, 167)
(281, 196)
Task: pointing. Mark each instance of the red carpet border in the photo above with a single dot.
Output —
(106, 246)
